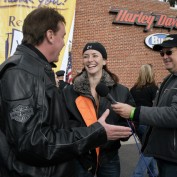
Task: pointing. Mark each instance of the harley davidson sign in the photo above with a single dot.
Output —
(149, 20)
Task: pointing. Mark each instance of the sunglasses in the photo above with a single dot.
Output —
(168, 52)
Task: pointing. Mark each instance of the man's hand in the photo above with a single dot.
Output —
(114, 132)
(124, 110)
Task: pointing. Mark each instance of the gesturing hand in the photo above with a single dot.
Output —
(114, 132)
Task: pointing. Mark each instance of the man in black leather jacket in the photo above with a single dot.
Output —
(35, 137)
(160, 140)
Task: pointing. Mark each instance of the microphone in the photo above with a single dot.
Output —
(103, 91)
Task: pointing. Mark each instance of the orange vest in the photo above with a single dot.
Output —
(87, 110)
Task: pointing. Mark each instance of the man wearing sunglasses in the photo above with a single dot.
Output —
(160, 140)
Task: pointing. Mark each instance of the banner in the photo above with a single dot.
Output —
(68, 76)
(67, 61)
(12, 15)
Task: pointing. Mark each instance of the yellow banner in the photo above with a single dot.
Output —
(13, 12)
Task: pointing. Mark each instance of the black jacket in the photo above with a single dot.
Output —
(81, 87)
(145, 95)
(36, 138)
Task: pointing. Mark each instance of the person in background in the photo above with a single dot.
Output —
(83, 102)
(60, 79)
(143, 92)
(36, 137)
(160, 140)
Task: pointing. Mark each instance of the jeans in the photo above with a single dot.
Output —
(110, 169)
(145, 163)
(167, 169)
(142, 165)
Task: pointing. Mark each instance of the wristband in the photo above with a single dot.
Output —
(132, 113)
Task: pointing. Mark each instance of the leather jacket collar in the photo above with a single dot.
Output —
(41, 56)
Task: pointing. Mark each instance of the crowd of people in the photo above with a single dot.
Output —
(50, 128)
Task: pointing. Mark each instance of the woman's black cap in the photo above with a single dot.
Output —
(96, 46)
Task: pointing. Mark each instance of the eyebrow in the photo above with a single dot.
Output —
(90, 54)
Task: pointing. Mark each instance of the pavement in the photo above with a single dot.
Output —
(129, 155)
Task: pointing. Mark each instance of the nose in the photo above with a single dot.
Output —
(90, 58)
(165, 56)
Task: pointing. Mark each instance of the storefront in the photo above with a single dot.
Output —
(123, 26)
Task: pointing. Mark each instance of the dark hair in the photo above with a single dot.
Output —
(113, 76)
(38, 22)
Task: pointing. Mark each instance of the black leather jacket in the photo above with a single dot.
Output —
(81, 87)
(36, 139)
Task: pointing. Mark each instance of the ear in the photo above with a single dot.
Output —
(49, 36)
(104, 62)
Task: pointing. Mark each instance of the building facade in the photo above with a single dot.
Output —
(125, 38)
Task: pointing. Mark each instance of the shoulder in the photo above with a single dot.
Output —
(68, 90)
(119, 89)
(119, 86)
(69, 93)
(133, 89)
(17, 84)
(152, 87)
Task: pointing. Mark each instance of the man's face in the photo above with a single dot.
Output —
(169, 56)
(60, 78)
(58, 42)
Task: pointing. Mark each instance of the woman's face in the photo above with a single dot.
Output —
(93, 62)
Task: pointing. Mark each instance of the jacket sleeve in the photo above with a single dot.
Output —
(164, 116)
(36, 123)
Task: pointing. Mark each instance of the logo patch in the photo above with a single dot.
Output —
(89, 47)
(21, 113)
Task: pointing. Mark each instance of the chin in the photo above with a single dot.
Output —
(56, 60)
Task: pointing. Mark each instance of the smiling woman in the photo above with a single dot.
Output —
(83, 104)
(93, 62)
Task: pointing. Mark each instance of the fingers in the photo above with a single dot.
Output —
(122, 109)
(117, 107)
(104, 116)
(114, 132)
(106, 113)
(121, 130)
(117, 132)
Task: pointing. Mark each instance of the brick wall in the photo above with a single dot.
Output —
(124, 43)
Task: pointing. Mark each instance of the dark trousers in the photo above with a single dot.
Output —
(167, 169)
(108, 169)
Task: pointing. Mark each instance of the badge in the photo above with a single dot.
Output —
(21, 113)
